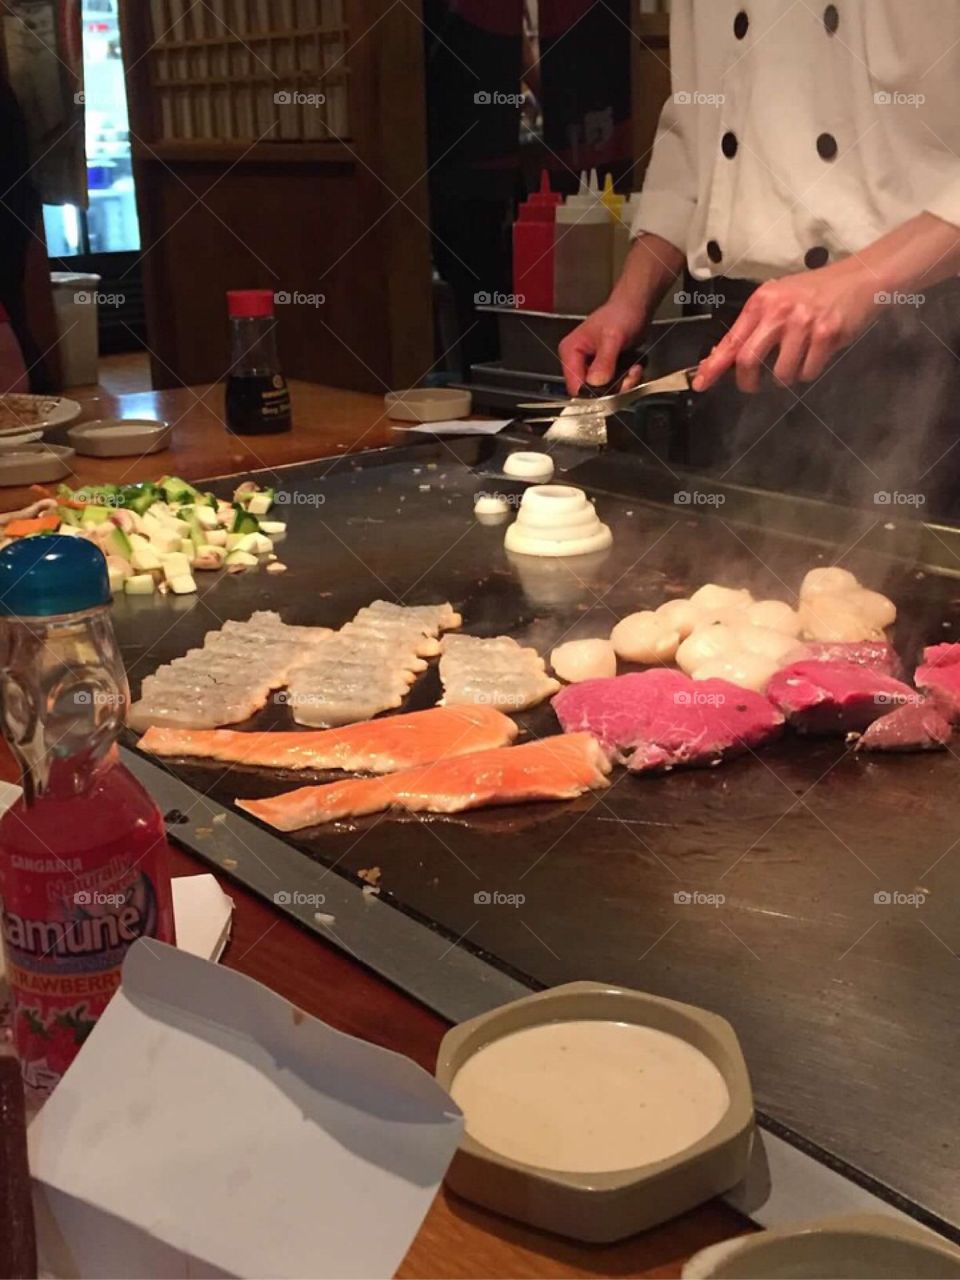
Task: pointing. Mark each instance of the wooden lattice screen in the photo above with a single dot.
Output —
(243, 70)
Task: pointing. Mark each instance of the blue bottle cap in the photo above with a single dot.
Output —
(52, 574)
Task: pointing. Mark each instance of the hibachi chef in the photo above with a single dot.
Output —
(806, 171)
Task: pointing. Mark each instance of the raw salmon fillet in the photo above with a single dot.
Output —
(558, 768)
(371, 746)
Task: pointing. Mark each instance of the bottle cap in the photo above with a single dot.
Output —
(540, 206)
(249, 304)
(611, 199)
(52, 574)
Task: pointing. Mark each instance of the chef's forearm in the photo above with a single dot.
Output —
(650, 268)
(920, 252)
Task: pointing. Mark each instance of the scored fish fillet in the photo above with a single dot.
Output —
(494, 672)
(228, 679)
(557, 768)
(368, 665)
(381, 746)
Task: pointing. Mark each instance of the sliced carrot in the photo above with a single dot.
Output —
(37, 524)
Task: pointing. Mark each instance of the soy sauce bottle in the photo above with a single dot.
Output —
(257, 398)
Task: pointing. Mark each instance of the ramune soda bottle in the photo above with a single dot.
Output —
(83, 854)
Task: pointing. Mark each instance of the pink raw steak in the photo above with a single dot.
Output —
(939, 677)
(916, 726)
(835, 697)
(659, 718)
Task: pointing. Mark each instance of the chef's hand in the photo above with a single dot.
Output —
(808, 317)
(590, 352)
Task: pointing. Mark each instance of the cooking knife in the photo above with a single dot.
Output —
(607, 402)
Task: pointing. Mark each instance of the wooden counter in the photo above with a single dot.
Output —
(457, 1240)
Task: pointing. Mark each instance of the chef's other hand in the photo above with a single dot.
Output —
(591, 351)
(809, 317)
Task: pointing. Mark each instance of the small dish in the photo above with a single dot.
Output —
(603, 1207)
(428, 404)
(855, 1247)
(35, 464)
(23, 412)
(120, 437)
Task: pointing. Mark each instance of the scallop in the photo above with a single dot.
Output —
(731, 615)
(835, 619)
(584, 660)
(713, 596)
(705, 644)
(643, 637)
(748, 670)
(774, 615)
(766, 643)
(681, 615)
(876, 609)
(830, 579)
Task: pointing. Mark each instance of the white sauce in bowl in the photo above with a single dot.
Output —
(589, 1096)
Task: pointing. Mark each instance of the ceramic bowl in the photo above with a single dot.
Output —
(427, 404)
(859, 1247)
(120, 437)
(34, 464)
(602, 1207)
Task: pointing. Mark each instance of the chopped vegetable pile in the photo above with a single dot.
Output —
(155, 535)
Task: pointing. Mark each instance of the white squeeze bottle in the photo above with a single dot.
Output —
(583, 251)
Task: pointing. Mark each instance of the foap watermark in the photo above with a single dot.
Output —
(497, 98)
(494, 898)
(896, 498)
(694, 898)
(90, 298)
(296, 98)
(297, 299)
(80, 98)
(695, 98)
(698, 698)
(98, 698)
(298, 498)
(484, 299)
(697, 498)
(894, 898)
(896, 98)
(899, 699)
(511, 499)
(93, 898)
(684, 298)
(295, 898)
(897, 298)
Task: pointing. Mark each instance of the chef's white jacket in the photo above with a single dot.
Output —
(798, 132)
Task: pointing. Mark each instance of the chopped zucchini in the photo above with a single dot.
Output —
(175, 566)
(145, 560)
(273, 528)
(244, 521)
(206, 516)
(217, 537)
(95, 515)
(118, 544)
(183, 585)
(69, 515)
(117, 578)
(258, 504)
(241, 560)
(177, 491)
(140, 584)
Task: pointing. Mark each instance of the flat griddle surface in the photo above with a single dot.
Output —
(806, 893)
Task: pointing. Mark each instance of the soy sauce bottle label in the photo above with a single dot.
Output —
(257, 397)
(257, 404)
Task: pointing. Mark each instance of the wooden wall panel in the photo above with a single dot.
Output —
(346, 218)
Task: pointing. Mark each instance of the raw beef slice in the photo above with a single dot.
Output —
(939, 677)
(835, 697)
(876, 654)
(916, 726)
(660, 718)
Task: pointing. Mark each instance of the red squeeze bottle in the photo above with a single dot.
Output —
(83, 852)
(533, 236)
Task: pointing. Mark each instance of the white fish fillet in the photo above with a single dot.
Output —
(368, 665)
(495, 672)
(229, 679)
